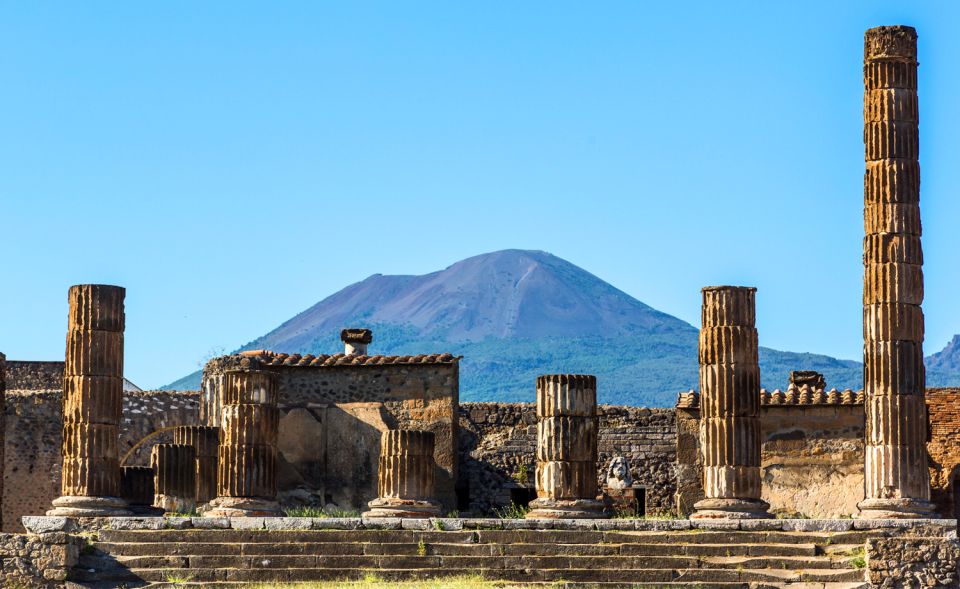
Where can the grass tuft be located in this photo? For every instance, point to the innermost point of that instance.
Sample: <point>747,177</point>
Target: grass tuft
<point>513,511</point>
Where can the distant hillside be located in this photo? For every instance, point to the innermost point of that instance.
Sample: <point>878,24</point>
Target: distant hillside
<point>515,314</point>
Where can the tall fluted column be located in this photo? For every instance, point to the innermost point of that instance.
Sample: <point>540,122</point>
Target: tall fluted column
<point>730,405</point>
<point>896,479</point>
<point>175,478</point>
<point>405,478</point>
<point>566,475</point>
<point>247,454</point>
<point>92,403</point>
<point>206,441</point>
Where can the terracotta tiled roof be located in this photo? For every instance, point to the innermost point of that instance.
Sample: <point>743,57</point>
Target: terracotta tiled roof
<point>792,396</point>
<point>268,358</point>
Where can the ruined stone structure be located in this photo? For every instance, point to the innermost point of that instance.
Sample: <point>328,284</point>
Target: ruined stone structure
<point>136,487</point>
<point>247,456</point>
<point>405,478</point>
<point>566,475</point>
<point>943,451</point>
<point>205,441</point>
<point>175,479</point>
<point>730,382</point>
<point>93,400</point>
<point>804,436</point>
<point>897,483</point>
<point>333,410</point>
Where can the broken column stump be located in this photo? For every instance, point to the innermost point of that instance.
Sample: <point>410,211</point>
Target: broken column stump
<point>730,405</point>
<point>92,404</point>
<point>405,479</point>
<point>136,488</point>
<point>566,477</point>
<point>247,453</point>
<point>896,478</point>
<point>175,478</point>
<point>206,441</point>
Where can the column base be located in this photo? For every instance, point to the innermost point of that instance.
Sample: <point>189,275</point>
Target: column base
<point>394,507</point>
<point>543,508</point>
<point>905,508</point>
<point>242,507</point>
<point>174,504</point>
<point>78,506</point>
<point>731,509</point>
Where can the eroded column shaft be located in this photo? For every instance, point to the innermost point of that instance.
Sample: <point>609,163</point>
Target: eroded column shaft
<point>730,404</point>
<point>896,475</point>
<point>205,441</point>
<point>247,452</point>
<point>174,469</point>
<point>406,465</point>
<point>92,402</point>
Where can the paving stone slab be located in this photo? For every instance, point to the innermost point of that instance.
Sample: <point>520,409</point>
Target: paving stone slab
<point>39,524</point>
<point>288,523</point>
<point>381,523</point>
<point>817,525</point>
<point>335,523</point>
<point>248,523</point>
<point>210,523</point>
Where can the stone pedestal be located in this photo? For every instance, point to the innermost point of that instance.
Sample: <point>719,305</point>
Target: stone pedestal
<point>92,404</point>
<point>247,454</point>
<point>175,478</point>
<point>896,478</point>
<point>206,441</point>
<point>405,479</point>
<point>566,477</point>
<point>730,405</point>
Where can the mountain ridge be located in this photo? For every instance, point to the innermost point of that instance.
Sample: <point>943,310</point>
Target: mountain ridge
<point>514,314</point>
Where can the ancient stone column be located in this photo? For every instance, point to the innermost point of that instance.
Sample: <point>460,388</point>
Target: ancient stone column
<point>247,454</point>
<point>730,405</point>
<point>92,403</point>
<point>136,486</point>
<point>405,479</point>
<point>206,441</point>
<point>896,479</point>
<point>566,477</point>
<point>174,477</point>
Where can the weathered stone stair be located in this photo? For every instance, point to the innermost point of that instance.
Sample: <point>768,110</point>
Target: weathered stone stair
<point>704,558</point>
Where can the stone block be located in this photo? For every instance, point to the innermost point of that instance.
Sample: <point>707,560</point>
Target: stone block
<point>411,523</point>
<point>135,523</point>
<point>288,523</point>
<point>381,523</point>
<point>761,525</point>
<point>247,523</point>
<point>715,524</point>
<point>210,523</point>
<point>446,523</point>
<point>336,523</point>
<point>817,525</point>
<point>662,524</point>
<point>39,524</point>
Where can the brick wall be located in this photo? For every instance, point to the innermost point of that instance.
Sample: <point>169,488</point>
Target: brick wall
<point>943,409</point>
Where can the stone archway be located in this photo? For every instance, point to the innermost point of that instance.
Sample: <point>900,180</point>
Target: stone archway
<point>151,436</point>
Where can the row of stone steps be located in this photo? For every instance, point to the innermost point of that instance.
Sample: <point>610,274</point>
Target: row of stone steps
<point>210,557</point>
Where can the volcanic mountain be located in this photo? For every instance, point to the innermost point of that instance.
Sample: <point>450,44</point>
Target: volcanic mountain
<point>514,314</point>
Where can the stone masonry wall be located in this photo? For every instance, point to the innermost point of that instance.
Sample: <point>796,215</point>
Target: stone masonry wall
<point>37,560</point>
<point>34,420</point>
<point>908,563</point>
<point>34,376</point>
<point>498,445</point>
<point>943,410</point>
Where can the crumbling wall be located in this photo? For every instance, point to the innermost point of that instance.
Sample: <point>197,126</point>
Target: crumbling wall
<point>806,443</point>
<point>943,409</point>
<point>37,560</point>
<point>498,445</point>
<point>34,376</point>
<point>31,476</point>
<point>799,444</point>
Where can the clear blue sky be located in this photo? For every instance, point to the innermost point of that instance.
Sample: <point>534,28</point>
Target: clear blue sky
<point>233,163</point>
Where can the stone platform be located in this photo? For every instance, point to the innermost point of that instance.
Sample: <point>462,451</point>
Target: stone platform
<point>212,552</point>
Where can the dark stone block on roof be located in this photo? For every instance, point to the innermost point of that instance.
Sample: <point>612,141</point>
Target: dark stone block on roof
<point>356,336</point>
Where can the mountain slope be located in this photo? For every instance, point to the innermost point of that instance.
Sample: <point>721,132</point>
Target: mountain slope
<point>514,314</point>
